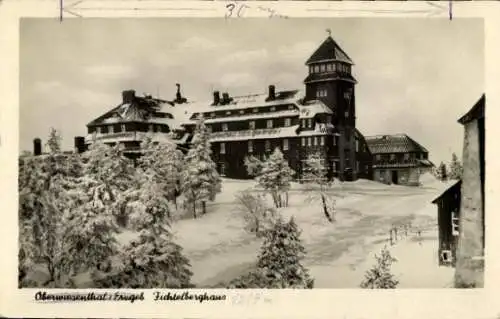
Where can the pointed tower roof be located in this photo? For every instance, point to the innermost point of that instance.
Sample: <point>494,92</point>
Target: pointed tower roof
<point>327,51</point>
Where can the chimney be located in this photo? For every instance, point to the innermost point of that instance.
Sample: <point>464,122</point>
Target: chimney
<point>272,93</point>
<point>79,144</point>
<point>128,96</point>
<point>225,98</point>
<point>37,146</point>
<point>216,98</point>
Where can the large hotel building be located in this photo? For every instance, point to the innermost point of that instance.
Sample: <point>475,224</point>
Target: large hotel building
<point>319,118</point>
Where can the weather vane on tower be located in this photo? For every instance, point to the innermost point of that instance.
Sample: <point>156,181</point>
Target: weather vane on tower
<point>329,31</point>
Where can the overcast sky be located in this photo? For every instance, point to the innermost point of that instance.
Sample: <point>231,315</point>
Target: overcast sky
<point>415,76</point>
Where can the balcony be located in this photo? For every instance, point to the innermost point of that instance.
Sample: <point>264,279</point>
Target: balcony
<point>268,133</point>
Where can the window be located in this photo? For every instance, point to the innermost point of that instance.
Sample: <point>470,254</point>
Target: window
<point>322,68</point>
<point>334,140</point>
<point>212,114</point>
<point>309,141</point>
<point>393,157</point>
<point>357,166</point>
<point>228,112</point>
<point>250,146</point>
<point>242,111</point>
<point>209,128</point>
<point>309,123</point>
<point>251,125</point>
<point>322,140</point>
<point>123,128</point>
<point>224,127</point>
<point>268,146</point>
<point>316,69</point>
<point>311,69</point>
<point>406,156</point>
<point>269,124</point>
<point>328,119</point>
<point>335,166</point>
<point>111,129</point>
<point>321,93</point>
<point>303,141</point>
<point>255,110</point>
<point>222,169</point>
<point>290,107</point>
<point>377,157</point>
<point>285,144</point>
<point>315,142</point>
<point>223,148</point>
<point>346,114</point>
<point>455,222</point>
<point>288,122</point>
<point>98,130</point>
<point>357,145</point>
<point>273,108</point>
<point>329,67</point>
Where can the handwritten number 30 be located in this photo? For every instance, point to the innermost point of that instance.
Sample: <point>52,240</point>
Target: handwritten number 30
<point>231,8</point>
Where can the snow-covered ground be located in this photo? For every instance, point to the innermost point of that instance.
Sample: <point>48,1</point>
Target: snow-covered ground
<point>338,254</point>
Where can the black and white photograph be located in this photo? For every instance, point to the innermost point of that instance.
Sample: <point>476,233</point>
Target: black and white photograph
<point>251,153</point>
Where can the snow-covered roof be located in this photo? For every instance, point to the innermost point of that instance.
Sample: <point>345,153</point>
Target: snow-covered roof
<point>312,108</point>
<point>398,143</point>
<point>320,129</point>
<point>127,136</point>
<point>251,116</point>
<point>247,102</point>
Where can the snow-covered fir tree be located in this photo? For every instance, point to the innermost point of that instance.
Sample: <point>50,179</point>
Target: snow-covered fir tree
<point>442,172</point>
<point>456,168</point>
<point>317,185</point>
<point>153,259</point>
<point>200,181</point>
<point>44,185</point>
<point>380,276</point>
<point>253,165</point>
<point>275,177</point>
<point>92,218</point>
<point>166,163</point>
<point>279,264</point>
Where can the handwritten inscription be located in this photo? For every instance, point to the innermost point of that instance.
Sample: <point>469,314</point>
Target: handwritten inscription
<point>238,10</point>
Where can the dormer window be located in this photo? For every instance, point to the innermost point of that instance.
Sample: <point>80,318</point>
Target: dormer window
<point>111,129</point>
<point>288,122</point>
<point>255,110</point>
<point>309,123</point>
<point>123,128</point>
<point>273,108</point>
<point>316,69</point>
<point>224,127</point>
<point>269,124</point>
<point>321,93</point>
<point>150,128</point>
<point>251,125</point>
<point>98,130</point>
<point>329,67</point>
<point>212,114</point>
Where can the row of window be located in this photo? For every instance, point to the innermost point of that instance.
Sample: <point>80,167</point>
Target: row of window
<point>246,111</point>
<point>113,128</point>
<point>267,146</point>
<point>406,156</point>
<point>330,67</point>
<point>316,141</point>
<point>251,124</point>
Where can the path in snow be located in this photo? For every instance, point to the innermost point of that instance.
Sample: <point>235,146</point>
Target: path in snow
<point>337,254</point>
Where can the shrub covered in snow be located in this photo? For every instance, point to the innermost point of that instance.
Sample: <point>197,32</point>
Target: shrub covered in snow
<point>318,186</point>
<point>275,177</point>
<point>279,262</point>
<point>200,181</point>
<point>380,276</point>
<point>257,214</point>
<point>253,165</point>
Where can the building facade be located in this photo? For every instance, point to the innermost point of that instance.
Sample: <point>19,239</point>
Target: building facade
<point>470,252</point>
<point>448,205</point>
<point>398,159</point>
<point>322,119</point>
<point>132,120</point>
